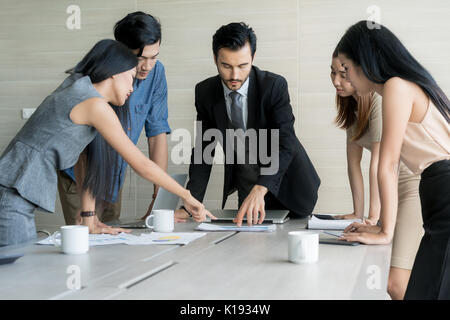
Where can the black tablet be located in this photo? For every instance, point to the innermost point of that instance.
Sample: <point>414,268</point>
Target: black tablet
<point>339,242</point>
<point>324,216</point>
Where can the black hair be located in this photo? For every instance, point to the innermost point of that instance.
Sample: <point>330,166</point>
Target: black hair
<point>234,36</point>
<point>105,59</point>
<point>137,30</point>
<point>382,56</point>
<point>103,162</point>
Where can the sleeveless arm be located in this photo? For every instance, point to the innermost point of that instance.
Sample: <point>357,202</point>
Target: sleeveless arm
<point>354,156</point>
<point>397,107</point>
<point>101,116</point>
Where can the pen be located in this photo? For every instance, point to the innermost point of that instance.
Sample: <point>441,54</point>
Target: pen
<point>184,208</point>
<point>332,234</point>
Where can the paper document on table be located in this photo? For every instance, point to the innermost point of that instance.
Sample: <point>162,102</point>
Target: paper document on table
<point>130,239</point>
<point>94,239</point>
<point>328,222</point>
<point>168,238</point>
<point>254,228</point>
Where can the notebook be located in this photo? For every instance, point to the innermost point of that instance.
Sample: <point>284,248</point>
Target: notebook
<point>329,222</point>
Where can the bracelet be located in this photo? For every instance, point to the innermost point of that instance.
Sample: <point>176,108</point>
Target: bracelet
<point>87,213</point>
<point>184,208</point>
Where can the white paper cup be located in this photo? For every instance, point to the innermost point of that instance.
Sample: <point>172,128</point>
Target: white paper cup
<point>303,246</point>
<point>161,221</point>
<point>74,239</point>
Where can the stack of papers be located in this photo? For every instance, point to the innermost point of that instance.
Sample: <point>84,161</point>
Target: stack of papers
<point>327,222</point>
<point>254,228</point>
<point>129,239</point>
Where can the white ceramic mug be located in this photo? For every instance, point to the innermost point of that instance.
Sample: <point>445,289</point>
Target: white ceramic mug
<point>303,246</point>
<point>74,239</point>
<point>160,221</point>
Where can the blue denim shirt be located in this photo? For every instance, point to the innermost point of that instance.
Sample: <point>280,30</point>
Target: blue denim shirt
<point>148,109</point>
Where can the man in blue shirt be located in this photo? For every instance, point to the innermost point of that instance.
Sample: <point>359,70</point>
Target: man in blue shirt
<point>147,105</point>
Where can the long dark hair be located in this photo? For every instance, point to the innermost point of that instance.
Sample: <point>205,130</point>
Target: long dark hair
<point>382,56</point>
<point>351,110</point>
<point>105,59</point>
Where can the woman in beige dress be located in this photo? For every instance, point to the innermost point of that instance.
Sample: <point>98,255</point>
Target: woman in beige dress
<point>416,130</point>
<point>361,117</point>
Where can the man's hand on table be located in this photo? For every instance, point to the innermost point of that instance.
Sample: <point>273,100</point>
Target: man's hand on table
<point>252,206</point>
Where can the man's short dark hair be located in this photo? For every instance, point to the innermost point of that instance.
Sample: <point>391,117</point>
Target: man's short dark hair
<point>137,30</point>
<point>234,36</point>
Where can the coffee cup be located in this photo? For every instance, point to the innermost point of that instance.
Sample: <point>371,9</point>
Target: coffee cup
<point>160,221</point>
<point>73,239</point>
<point>303,246</point>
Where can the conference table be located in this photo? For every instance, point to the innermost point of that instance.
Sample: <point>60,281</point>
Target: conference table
<point>220,265</point>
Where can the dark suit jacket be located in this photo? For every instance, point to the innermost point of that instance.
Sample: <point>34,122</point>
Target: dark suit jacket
<point>296,183</point>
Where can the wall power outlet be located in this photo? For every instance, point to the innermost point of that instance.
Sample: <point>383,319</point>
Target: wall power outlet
<point>27,112</point>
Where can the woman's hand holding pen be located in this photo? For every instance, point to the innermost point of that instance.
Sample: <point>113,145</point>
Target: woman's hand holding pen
<point>362,227</point>
<point>196,209</point>
<point>366,237</point>
<point>181,215</point>
<point>364,233</point>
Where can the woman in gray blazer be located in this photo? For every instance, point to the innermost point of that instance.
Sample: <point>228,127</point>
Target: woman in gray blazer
<point>58,132</point>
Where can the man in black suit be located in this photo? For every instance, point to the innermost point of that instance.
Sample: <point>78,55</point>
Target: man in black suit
<point>244,99</point>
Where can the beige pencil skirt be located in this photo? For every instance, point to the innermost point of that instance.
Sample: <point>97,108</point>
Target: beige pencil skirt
<point>409,226</point>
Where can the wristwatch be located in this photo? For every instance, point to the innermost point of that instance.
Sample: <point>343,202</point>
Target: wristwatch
<point>87,213</point>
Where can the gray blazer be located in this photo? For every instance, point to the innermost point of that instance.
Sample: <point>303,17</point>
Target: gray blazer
<point>49,140</point>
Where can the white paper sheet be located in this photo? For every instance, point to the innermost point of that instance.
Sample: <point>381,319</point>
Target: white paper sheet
<point>254,228</point>
<point>130,239</point>
<point>323,224</point>
<point>167,238</point>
